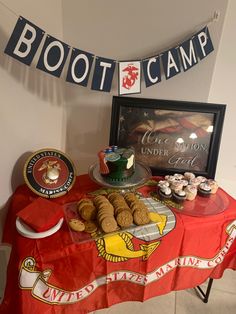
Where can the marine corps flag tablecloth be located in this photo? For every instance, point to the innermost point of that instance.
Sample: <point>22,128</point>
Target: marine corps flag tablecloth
<point>57,275</point>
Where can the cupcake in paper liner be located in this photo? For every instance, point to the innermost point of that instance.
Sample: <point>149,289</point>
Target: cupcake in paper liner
<point>204,189</point>
<point>177,185</point>
<point>165,193</point>
<point>213,184</point>
<point>189,176</point>
<point>179,196</point>
<point>191,192</point>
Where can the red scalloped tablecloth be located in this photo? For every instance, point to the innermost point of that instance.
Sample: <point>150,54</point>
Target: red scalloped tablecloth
<point>55,275</point>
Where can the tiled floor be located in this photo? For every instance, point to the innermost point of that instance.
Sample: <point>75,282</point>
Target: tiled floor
<point>222,301</point>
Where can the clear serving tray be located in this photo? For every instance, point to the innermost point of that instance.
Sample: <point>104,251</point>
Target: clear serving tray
<point>154,230</point>
<point>205,206</point>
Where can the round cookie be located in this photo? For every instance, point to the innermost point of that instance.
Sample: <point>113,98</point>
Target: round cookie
<point>124,219</point>
<point>138,205</point>
<point>109,224</point>
<point>100,199</point>
<point>88,212</point>
<point>141,217</point>
<point>90,226</point>
<point>76,224</point>
<point>130,198</point>
<point>112,196</point>
<point>83,202</point>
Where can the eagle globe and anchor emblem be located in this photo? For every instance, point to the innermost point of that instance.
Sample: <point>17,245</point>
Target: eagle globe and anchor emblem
<point>49,173</point>
<point>124,245</point>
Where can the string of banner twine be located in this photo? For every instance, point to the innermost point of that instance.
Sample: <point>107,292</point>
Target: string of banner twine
<point>215,18</point>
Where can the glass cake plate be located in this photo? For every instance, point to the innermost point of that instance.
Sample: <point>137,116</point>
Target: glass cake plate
<point>205,206</point>
<point>141,175</point>
<point>154,230</point>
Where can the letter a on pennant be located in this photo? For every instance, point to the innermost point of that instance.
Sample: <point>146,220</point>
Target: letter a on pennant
<point>24,41</point>
<point>170,61</point>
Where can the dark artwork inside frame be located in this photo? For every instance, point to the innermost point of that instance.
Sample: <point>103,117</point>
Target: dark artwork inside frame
<point>169,136</point>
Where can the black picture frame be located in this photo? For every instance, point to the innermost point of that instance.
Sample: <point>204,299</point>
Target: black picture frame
<point>170,136</point>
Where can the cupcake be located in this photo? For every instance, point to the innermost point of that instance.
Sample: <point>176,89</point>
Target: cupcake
<point>195,181</point>
<point>184,182</point>
<point>170,179</point>
<point>178,176</point>
<point>179,196</point>
<point>191,192</point>
<point>176,185</point>
<point>201,179</point>
<point>204,189</point>
<point>189,175</point>
<point>213,185</point>
<point>165,193</point>
<point>163,183</point>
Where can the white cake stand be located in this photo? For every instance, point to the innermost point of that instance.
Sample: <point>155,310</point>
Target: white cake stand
<point>141,175</point>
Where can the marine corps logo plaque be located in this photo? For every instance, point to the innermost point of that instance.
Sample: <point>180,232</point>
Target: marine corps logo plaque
<point>49,173</point>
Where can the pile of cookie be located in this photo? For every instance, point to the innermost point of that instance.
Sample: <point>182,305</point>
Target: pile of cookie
<point>110,213</point>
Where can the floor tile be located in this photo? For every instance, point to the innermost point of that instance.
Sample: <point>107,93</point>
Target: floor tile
<point>219,303</point>
<point>164,304</point>
<point>227,283</point>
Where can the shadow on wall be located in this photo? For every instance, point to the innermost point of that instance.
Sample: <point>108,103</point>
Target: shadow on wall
<point>87,132</point>
<point>3,213</point>
<point>44,86</point>
<point>17,177</point>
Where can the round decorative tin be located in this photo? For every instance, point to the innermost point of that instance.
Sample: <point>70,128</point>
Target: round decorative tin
<point>49,173</point>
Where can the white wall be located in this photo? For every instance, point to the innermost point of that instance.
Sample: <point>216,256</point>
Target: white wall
<point>126,30</point>
<point>32,102</point>
<point>223,90</point>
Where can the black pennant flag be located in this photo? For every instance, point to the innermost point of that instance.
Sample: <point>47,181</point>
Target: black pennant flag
<point>24,41</point>
<point>103,74</point>
<point>188,55</point>
<point>151,71</point>
<point>79,67</point>
<point>53,56</point>
<point>170,61</point>
<point>203,43</point>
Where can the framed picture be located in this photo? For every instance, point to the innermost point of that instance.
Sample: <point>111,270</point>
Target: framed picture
<point>169,136</point>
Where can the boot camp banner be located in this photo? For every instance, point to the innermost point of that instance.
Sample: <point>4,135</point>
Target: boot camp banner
<point>26,39</point>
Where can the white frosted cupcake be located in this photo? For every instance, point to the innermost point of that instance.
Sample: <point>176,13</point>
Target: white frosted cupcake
<point>170,179</point>
<point>204,189</point>
<point>178,176</point>
<point>195,181</point>
<point>179,196</point>
<point>201,179</point>
<point>176,185</point>
<point>184,182</point>
<point>213,184</point>
<point>163,183</point>
<point>189,175</point>
<point>165,193</point>
<point>191,192</point>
